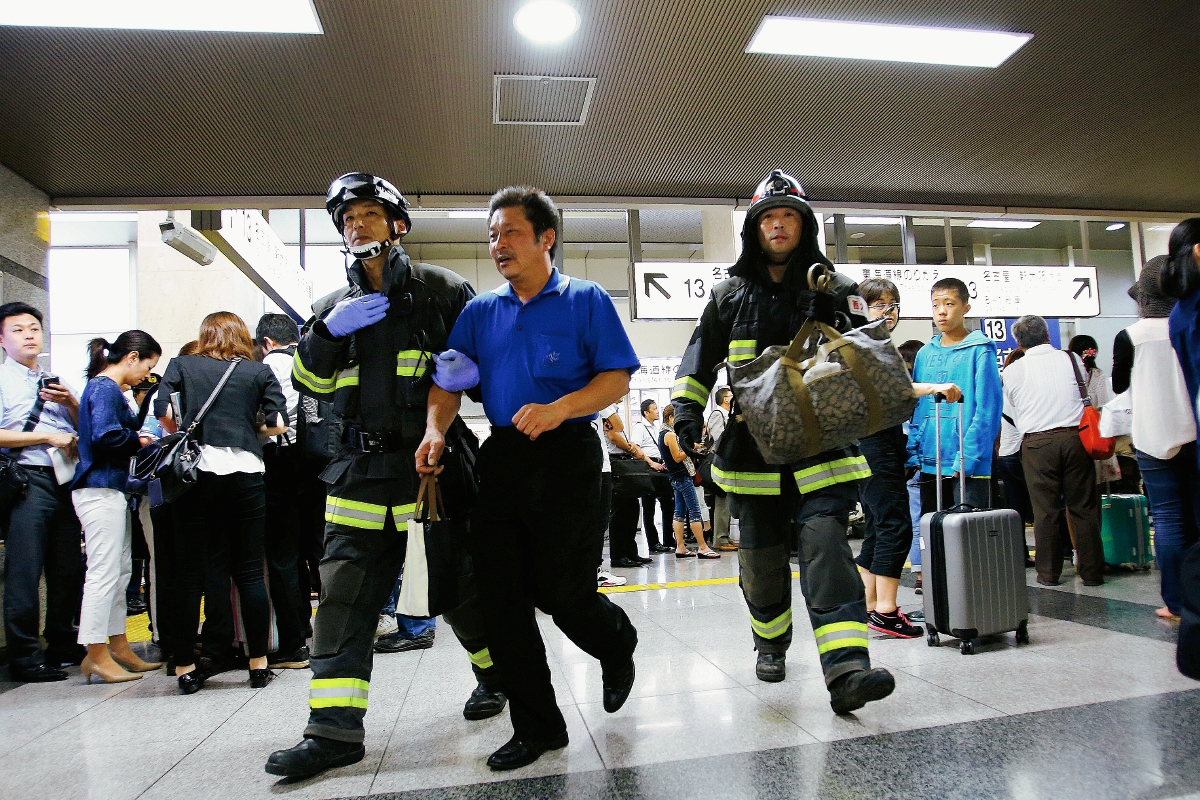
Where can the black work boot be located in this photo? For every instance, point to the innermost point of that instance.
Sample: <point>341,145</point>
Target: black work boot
<point>314,754</point>
<point>854,690</point>
<point>771,667</point>
<point>484,703</point>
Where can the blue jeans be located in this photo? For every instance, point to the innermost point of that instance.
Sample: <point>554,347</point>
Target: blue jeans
<point>1172,487</point>
<point>914,510</point>
<point>410,627</point>
<point>687,506</point>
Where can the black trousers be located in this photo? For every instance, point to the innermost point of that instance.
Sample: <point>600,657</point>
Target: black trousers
<point>605,517</point>
<point>664,496</point>
<point>884,498</point>
<point>42,532</point>
<point>281,542</point>
<point>311,539</point>
<point>220,520</point>
<point>622,528</point>
<point>530,493</point>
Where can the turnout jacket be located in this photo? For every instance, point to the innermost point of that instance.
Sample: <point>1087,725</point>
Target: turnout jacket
<point>379,377</point>
<point>746,314</point>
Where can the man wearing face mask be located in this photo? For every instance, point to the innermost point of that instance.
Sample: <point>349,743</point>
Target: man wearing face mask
<point>804,505</point>
<point>372,348</point>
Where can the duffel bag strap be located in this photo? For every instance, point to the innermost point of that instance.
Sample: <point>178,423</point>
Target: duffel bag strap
<point>857,369</point>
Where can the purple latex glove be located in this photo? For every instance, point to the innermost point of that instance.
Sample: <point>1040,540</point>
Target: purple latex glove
<point>454,372</point>
<point>355,314</point>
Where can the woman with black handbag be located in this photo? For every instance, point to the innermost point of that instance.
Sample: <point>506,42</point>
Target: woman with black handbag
<point>220,519</point>
<point>108,436</point>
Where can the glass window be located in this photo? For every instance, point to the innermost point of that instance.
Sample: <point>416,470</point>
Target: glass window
<point>286,224</point>
<point>89,296</point>
<point>326,266</point>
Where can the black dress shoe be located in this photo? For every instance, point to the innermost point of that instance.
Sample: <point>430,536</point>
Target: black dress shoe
<point>42,673</point>
<point>618,682</point>
<point>190,683</point>
<point>70,657</point>
<point>628,563</point>
<point>523,752</point>
<point>662,548</point>
<point>483,703</point>
<point>260,678</point>
<point>314,754</point>
<point>854,690</point>
<point>643,560</point>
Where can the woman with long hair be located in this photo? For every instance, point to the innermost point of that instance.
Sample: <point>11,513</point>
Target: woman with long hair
<point>221,518</point>
<point>108,436</point>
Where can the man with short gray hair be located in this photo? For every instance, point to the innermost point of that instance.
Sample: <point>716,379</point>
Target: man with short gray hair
<point>1042,389</point>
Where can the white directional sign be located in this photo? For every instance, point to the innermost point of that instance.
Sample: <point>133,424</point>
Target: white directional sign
<point>247,240</point>
<point>679,290</point>
<point>665,290</point>
<point>995,291</point>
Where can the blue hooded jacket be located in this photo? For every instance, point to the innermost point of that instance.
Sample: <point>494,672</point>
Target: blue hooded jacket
<point>970,365</point>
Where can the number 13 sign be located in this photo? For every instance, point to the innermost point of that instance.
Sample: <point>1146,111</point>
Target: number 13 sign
<point>669,290</point>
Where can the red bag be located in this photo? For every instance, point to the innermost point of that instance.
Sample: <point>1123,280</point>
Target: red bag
<point>1100,448</point>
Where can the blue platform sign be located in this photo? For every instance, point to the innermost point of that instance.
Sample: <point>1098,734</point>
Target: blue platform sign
<point>999,330</point>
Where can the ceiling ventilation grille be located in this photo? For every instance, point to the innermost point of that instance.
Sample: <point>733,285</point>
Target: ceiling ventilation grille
<point>540,100</point>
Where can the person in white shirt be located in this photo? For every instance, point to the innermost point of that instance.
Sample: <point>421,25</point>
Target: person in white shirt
<point>716,426</point>
<point>283,459</point>
<point>1164,430</point>
<point>645,435</point>
<point>605,578</point>
<point>1042,393</point>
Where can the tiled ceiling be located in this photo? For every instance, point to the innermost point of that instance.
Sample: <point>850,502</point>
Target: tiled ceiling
<point>1098,111</point>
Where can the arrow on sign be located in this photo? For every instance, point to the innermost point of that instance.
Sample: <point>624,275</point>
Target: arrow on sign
<point>652,280</point>
<point>1086,283</point>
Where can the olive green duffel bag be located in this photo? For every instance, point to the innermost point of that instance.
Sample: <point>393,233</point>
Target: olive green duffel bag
<point>826,390</point>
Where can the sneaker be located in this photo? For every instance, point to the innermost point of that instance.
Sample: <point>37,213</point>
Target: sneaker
<point>606,580</point>
<point>387,625</point>
<point>295,659</point>
<point>395,643</point>
<point>894,624</point>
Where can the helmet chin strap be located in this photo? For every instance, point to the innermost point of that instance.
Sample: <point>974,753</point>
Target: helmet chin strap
<point>368,250</point>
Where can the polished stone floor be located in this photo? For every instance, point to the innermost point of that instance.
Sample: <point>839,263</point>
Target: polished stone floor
<point>1092,708</point>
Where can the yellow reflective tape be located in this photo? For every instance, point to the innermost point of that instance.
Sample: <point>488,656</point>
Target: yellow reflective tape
<point>411,363</point>
<point>691,389</point>
<point>339,683</point>
<point>308,379</point>
<point>837,644</point>
<point>404,513</point>
<point>775,628</point>
<point>482,659</point>
<point>835,627</point>
<point>743,343</point>
<point>760,483</point>
<point>347,377</point>
<point>357,505</point>
<point>353,522</point>
<point>337,702</point>
<point>843,470</point>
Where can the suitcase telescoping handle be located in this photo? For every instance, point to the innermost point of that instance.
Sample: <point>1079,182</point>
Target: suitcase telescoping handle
<point>938,399</point>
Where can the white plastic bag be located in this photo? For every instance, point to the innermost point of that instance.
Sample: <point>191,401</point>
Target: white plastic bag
<point>1116,416</point>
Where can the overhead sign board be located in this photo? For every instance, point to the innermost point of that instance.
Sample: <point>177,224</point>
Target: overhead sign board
<point>995,291</point>
<point>655,373</point>
<point>679,290</point>
<point>246,238</point>
<point>999,330</point>
<point>674,290</point>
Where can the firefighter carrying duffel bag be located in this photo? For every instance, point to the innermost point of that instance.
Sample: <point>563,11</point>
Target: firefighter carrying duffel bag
<point>826,390</point>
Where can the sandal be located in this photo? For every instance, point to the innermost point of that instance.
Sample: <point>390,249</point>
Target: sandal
<point>688,554</point>
<point>707,554</point>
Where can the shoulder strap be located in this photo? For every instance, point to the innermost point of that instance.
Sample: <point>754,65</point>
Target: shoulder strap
<point>213,397</point>
<point>35,414</point>
<point>1079,380</point>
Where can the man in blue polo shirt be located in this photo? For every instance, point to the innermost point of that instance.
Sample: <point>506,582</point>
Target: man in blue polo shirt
<point>551,352</point>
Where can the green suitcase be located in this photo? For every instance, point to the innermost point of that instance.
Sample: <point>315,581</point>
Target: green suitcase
<point>1125,530</point>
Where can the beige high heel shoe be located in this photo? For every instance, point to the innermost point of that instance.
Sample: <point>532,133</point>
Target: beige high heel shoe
<point>91,669</point>
<point>137,665</point>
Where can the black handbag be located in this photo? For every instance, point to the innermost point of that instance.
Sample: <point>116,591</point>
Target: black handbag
<point>14,479</point>
<point>458,480</point>
<point>166,469</point>
<point>631,478</point>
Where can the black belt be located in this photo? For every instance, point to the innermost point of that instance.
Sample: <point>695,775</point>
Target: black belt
<point>367,442</point>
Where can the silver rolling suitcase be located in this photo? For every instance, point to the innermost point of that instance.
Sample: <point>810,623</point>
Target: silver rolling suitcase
<point>974,565</point>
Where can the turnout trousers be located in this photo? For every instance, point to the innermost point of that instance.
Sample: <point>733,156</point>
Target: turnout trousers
<point>815,524</point>
<point>533,538</point>
<point>366,536</point>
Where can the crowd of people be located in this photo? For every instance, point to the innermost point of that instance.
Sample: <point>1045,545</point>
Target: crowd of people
<point>330,462</point>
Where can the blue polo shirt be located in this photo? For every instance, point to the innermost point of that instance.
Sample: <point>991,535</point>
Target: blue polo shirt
<point>543,350</point>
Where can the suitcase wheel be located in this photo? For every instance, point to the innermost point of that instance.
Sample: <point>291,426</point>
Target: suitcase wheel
<point>1023,632</point>
<point>967,647</point>
<point>932,638</point>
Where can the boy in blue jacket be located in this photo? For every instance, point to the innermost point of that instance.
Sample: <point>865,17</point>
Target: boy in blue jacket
<point>967,359</point>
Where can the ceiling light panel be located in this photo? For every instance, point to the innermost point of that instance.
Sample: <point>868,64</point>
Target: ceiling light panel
<point>800,36</point>
<point>239,16</point>
<point>1008,224</point>
<point>546,21</point>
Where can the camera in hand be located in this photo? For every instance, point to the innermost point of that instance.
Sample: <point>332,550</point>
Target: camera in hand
<point>49,382</point>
